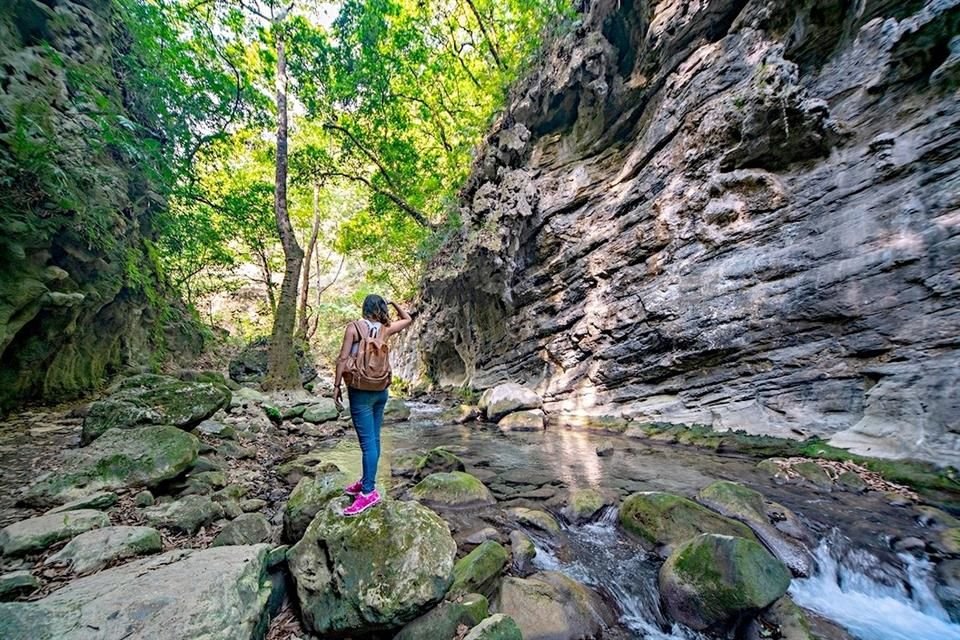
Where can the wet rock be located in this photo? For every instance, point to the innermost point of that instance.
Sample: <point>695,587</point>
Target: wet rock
<point>949,540</point>
<point>154,400</point>
<point>850,481</point>
<point>909,544</point>
<point>551,606</point>
<point>142,456</point>
<point>101,501</point>
<point>663,520</point>
<point>94,550</point>
<point>523,551</point>
<point>507,398</point>
<point>246,528</point>
<point>599,423</point>
<point>948,587</point>
<point>452,490</point>
<point>250,364</point>
<point>396,410</point>
<point>535,518</point>
<point>36,534</point>
<point>217,593</point>
<point>307,499</point>
<point>604,449</point>
<point>405,545</point>
<point>786,617</point>
<point>713,580</point>
<point>444,620</point>
<point>583,505</point>
<point>932,517</point>
<point>16,584</point>
<point>462,414</point>
<point>532,420</point>
<point>741,503</point>
<point>323,410</point>
<point>496,627</point>
<point>438,460</point>
<point>186,515</point>
<point>479,570</point>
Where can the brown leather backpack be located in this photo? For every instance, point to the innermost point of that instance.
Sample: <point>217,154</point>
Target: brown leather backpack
<point>369,368</point>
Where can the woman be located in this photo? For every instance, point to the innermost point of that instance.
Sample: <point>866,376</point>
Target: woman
<point>366,407</point>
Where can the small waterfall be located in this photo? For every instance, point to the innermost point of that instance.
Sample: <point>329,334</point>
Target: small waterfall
<point>603,559</point>
<point>852,589</point>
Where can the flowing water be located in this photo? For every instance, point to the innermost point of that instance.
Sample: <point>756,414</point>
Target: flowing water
<point>861,585</point>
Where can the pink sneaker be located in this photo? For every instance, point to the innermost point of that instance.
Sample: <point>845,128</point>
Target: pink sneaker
<point>362,502</point>
<point>354,489</point>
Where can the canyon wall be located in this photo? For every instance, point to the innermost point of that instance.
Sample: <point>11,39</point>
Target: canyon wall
<point>739,213</point>
<point>80,294</point>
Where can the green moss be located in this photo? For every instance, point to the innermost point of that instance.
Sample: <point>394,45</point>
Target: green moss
<point>454,489</point>
<point>660,518</point>
<point>478,570</point>
<point>734,499</point>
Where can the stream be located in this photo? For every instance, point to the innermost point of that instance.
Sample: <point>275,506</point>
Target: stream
<point>861,584</point>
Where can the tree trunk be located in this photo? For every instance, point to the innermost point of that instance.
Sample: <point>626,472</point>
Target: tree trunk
<point>267,277</point>
<point>282,369</point>
<point>304,327</point>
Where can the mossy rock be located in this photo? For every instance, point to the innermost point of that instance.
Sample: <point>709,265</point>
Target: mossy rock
<point>497,627</point>
<point>120,458</point>
<point>852,482</point>
<point>157,400</point>
<point>813,473</point>
<point>583,505</point>
<point>246,528</point>
<point>16,584</point>
<point>713,580</point>
<point>950,540</point>
<point>522,550</point>
<point>323,410</point>
<point>36,534</point>
<point>479,570</point>
<point>734,500</point>
<point>94,550</point>
<point>531,420</point>
<point>396,410</point>
<point>444,620</point>
<point>307,499</point>
<point>307,465</point>
<point>101,501</point>
<point>185,515</point>
<point>663,520</point>
<point>437,460</point>
<point>452,490</point>
<point>602,424</point>
<point>536,519</point>
<point>372,573</point>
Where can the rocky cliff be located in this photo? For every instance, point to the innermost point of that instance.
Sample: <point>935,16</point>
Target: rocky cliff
<point>79,290</point>
<point>741,213</point>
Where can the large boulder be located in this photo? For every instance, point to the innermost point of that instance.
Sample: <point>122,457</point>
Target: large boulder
<point>507,398</point>
<point>438,460</point>
<point>120,458</point>
<point>36,534</point>
<point>444,620</point>
<point>152,399</point>
<point>250,365</point>
<point>552,606</point>
<point>372,573</point>
<point>452,490</point>
<point>713,580</point>
<point>323,410</point>
<point>583,505</point>
<point>663,520</point>
<point>211,593</point>
<point>307,499</point>
<point>748,506</point>
<point>94,550</point>
<point>479,570</point>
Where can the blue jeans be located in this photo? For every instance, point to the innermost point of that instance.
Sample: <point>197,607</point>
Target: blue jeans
<point>366,410</point>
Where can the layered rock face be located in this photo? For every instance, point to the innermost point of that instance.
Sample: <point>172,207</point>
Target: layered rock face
<point>79,290</point>
<point>738,213</point>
